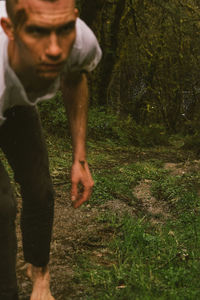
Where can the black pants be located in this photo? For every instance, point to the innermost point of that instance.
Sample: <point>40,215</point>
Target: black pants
<point>22,142</point>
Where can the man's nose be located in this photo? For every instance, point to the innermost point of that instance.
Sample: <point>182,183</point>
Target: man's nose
<point>53,50</point>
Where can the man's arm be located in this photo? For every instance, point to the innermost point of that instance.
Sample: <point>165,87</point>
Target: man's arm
<point>75,95</point>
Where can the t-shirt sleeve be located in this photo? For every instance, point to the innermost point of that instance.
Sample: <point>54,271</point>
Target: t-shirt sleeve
<point>86,52</point>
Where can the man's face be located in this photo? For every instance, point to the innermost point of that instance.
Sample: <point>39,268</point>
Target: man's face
<point>44,35</point>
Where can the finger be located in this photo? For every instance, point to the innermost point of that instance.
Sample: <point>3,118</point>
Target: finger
<point>89,174</point>
<point>74,192</point>
<point>86,195</point>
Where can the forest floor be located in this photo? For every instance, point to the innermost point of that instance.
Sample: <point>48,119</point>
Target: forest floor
<point>137,238</point>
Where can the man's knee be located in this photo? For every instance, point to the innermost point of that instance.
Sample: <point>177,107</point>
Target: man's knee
<point>7,204</point>
<point>45,196</point>
<point>7,199</point>
<point>38,196</point>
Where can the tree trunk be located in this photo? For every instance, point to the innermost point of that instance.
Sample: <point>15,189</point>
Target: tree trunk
<point>111,55</point>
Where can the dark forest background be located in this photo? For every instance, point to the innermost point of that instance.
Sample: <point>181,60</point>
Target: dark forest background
<point>147,84</point>
<point>139,235</point>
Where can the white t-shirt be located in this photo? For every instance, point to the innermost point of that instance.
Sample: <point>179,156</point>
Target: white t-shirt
<point>85,55</point>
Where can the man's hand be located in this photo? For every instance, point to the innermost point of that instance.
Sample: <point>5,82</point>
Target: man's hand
<point>75,96</point>
<point>80,174</point>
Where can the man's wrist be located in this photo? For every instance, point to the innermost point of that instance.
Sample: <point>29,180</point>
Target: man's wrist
<point>80,161</point>
<point>79,157</point>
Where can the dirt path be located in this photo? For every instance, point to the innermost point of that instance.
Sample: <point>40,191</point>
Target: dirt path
<point>69,236</point>
<point>77,231</point>
<point>157,211</point>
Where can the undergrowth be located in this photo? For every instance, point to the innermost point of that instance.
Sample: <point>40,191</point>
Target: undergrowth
<point>103,125</point>
<point>142,260</point>
<point>147,262</point>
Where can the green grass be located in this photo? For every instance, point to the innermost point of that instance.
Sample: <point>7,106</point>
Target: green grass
<point>140,260</point>
<point>148,262</point>
<point>118,180</point>
<point>144,260</point>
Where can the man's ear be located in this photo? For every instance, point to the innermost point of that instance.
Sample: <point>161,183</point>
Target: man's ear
<point>7,26</point>
<point>76,11</point>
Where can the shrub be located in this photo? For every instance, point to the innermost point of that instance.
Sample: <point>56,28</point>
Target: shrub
<point>102,125</point>
<point>154,134</point>
<point>192,142</point>
<point>53,115</point>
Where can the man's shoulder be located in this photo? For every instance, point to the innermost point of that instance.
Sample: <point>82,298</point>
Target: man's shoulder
<point>85,36</point>
<point>86,52</point>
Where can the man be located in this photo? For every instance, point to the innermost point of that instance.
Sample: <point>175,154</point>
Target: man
<point>43,45</point>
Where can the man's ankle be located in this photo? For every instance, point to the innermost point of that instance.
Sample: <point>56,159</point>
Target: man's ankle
<point>34,271</point>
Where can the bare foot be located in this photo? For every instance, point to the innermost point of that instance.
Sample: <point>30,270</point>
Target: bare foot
<point>40,278</point>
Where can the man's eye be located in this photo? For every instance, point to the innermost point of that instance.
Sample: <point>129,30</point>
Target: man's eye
<point>36,31</point>
<point>67,29</point>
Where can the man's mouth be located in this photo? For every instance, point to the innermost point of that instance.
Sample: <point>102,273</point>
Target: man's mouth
<point>51,67</point>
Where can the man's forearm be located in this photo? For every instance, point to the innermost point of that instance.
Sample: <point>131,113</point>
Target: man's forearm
<point>75,95</point>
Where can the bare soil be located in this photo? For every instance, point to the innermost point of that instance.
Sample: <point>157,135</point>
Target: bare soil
<point>77,231</point>
<point>183,167</point>
<point>157,210</point>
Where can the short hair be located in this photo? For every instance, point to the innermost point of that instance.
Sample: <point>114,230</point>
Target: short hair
<point>10,4</point>
<point>9,7</point>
